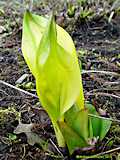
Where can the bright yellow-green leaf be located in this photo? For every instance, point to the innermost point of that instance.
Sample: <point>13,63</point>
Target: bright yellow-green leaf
<point>33,27</point>
<point>51,56</point>
<point>58,74</point>
<point>65,67</point>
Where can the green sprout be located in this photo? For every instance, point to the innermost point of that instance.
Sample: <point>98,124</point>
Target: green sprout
<point>51,56</point>
<point>70,9</point>
<point>85,14</point>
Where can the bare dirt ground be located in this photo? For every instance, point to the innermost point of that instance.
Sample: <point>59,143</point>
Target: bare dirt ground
<point>98,47</point>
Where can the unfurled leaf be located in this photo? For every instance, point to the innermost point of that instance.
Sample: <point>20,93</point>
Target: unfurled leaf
<point>80,126</point>
<point>100,126</point>
<point>78,121</point>
<point>73,140</point>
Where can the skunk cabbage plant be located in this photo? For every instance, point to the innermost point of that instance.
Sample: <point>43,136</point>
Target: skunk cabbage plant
<point>51,56</point>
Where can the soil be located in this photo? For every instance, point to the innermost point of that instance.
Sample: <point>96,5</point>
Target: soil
<point>97,43</point>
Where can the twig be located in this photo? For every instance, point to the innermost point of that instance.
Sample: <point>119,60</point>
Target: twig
<point>102,94</point>
<point>20,90</point>
<point>24,151</point>
<point>111,83</point>
<point>99,154</point>
<point>111,16</point>
<point>100,117</point>
<point>101,72</point>
<point>56,147</point>
<point>33,95</point>
<point>104,89</point>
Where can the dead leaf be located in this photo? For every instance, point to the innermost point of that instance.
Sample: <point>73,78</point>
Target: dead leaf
<point>32,137</point>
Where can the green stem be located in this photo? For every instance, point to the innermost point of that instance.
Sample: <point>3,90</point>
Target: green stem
<point>59,136</point>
